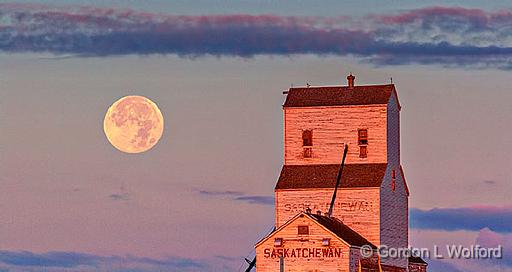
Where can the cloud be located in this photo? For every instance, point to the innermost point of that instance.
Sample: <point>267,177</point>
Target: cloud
<point>120,197</point>
<point>435,265</point>
<point>50,259</point>
<point>239,196</point>
<point>73,261</point>
<point>122,194</point>
<point>498,219</point>
<point>263,200</point>
<point>219,193</point>
<point>489,238</point>
<point>229,258</point>
<point>447,36</point>
<point>485,238</point>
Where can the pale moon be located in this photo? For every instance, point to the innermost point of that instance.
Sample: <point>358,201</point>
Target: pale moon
<point>133,124</point>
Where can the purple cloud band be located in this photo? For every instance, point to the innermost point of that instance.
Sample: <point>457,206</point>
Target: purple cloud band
<point>75,261</point>
<point>498,219</point>
<point>437,35</point>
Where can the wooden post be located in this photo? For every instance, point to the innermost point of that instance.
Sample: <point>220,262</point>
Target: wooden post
<point>281,263</point>
<point>338,179</point>
<point>251,264</point>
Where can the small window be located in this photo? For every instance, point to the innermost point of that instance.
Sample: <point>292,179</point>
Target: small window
<point>278,242</point>
<point>303,230</point>
<point>362,136</point>
<point>307,138</point>
<point>363,151</point>
<point>326,242</point>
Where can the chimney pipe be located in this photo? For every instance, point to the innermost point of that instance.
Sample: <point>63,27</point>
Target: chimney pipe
<point>350,79</point>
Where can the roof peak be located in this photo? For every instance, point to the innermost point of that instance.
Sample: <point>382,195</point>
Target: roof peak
<point>331,224</point>
<point>336,226</point>
<point>339,86</point>
<point>339,95</point>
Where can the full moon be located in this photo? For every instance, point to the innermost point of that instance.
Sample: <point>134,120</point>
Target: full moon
<point>133,124</point>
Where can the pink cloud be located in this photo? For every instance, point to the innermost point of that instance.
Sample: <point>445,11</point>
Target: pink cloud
<point>435,12</point>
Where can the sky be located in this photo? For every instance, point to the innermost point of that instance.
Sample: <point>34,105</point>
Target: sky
<point>201,198</point>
